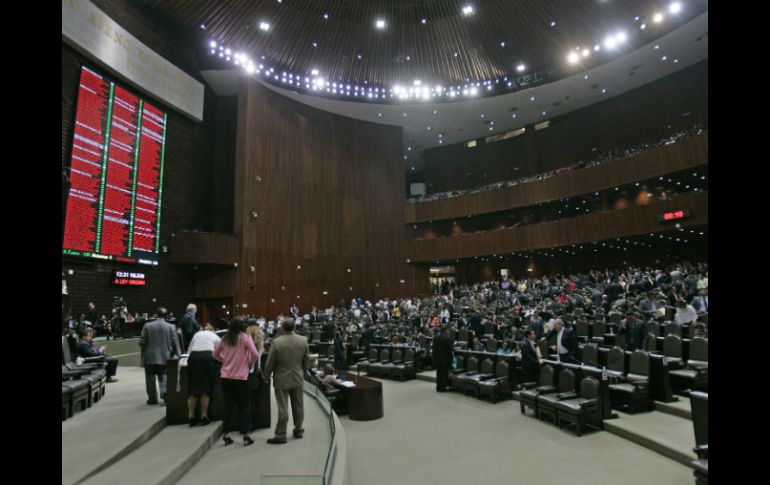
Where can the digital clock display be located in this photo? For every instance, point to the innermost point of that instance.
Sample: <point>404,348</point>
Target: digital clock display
<point>674,215</point>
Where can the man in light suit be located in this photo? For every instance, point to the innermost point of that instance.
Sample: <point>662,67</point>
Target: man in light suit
<point>566,342</point>
<point>287,361</point>
<point>158,342</point>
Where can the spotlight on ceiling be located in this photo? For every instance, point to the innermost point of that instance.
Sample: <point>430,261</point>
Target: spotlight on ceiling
<point>521,68</point>
<point>314,72</point>
<point>213,44</point>
<point>620,37</point>
<point>586,52</point>
<point>468,10</point>
<point>380,24</point>
<point>675,8</point>
<point>264,26</point>
<point>573,57</point>
<point>657,18</point>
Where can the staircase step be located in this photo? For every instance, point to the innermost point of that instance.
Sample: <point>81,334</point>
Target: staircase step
<point>679,408</point>
<point>427,375</point>
<point>666,434</point>
<point>162,460</point>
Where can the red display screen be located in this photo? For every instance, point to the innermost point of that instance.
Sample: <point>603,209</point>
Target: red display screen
<point>674,215</point>
<point>116,174</point>
<point>128,278</point>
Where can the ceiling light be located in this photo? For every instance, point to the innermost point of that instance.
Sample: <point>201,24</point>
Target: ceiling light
<point>264,26</point>
<point>610,42</point>
<point>657,18</point>
<point>502,44</point>
<point>643,26</point>
<point>424,21</point>
<point>212,44</point>
<point>521,67</point>
<point>467,10</point>
<point>379,23</point>
<point>326,15</point>
<point>573,58</point>
<point>675,8</point>
<point>553,23</point>
<point>227,52</point>
<point>620,37</point>
<point>586,52</point>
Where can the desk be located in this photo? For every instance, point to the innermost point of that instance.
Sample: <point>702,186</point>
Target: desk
<point>364,400</point>
<point>176,402</point>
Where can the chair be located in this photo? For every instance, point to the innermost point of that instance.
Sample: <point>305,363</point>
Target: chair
<point>498,385</point>
<point>79,391</point>
<point>335,396</point>
<point>616,363</point>
<point>546,403</point>
<point>377,369</point>
<point>653,327</point>
<point>396,357</point>
<point>591,355</point>
<point>699,403</point>
<point>695,374</point>
<point>672,350</point>
<point>581,410</point>
<point>404,369</point>
<point>471,368</point>
<point>364,364</point>
<point>491,345</point>
<point>423,341</point>
<point>528,396</point>
<point>471,381</point>
<point>673,328</point>
<point>582,330</point>
<point>600,328</point>
<point>463,337</point>
<point>489,328</point>
<point>460,361</point>
<point>635,391</point>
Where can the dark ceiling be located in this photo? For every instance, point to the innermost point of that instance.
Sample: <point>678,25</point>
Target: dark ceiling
<point>448,47</point>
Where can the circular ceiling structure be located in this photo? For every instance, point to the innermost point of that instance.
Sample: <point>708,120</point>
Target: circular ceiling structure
<point>388,51</point>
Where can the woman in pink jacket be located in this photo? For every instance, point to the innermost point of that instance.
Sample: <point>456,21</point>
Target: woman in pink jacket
<point>237,353</point>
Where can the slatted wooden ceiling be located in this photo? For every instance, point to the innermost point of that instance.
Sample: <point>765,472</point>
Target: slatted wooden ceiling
<point>349,33</point>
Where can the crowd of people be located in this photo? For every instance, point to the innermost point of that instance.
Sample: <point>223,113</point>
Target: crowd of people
<point>612,154</point>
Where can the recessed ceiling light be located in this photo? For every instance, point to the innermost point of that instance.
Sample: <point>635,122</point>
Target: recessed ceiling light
<point>657,18</point>
<point>620,37</point>
<point>264,26</point>
<point>643,26</point>
<point>424,21</point>
<point>675,8</point>
<point>657,46</point>
<point>326,15</point>
<point>553,23</point>
<point>521,67</point>
<point>379,23</point>
<point>314,72</point>
<point>586,52</point>
<point>468,10</point>
<point>532,98</point>
<point>213,44</point>
<point>573,58</point>
<point>610,42</point>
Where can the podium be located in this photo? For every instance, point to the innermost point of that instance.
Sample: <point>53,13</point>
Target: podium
<point>176,402</point>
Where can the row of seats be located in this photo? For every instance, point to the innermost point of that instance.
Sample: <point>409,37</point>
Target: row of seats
<point>492,380</point>
<point>560,402</point>
<point>390,362</point>
<point>699,404</point>
<point>82,385</point>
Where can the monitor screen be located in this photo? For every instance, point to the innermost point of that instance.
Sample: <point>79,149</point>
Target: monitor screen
<point>116,174</point>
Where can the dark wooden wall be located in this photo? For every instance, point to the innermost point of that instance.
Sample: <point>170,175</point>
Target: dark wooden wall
<point>187,177</point>
<point>641,115</point>
<point>328,193</point>
<point>659,161</point>
<point>633,221</point>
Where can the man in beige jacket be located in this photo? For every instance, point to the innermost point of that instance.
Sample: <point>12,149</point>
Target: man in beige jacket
<point>287,363</point>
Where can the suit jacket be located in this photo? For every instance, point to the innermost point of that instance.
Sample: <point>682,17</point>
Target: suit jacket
<point>645,306</point>
<point>287,359</point>
<point>442,351</point>
<point>189,326</point>
<point>158,342</point>
<point>88,350</point>
<point>568,340</point>
<point>530,365</point>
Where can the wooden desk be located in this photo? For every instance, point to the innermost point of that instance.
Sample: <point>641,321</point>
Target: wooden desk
<point>364,400</point>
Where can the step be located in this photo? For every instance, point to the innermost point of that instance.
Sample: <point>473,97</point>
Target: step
<point>666,434</point>
<point>122,413</point>
<point>427,375</point>
<point>679,408</point>
<point>163,459</point>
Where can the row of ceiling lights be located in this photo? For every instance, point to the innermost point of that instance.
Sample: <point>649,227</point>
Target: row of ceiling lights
<point>417,92</point>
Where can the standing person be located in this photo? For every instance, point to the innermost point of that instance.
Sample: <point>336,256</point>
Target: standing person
<point>530,357</point>
<point>287,359</point>
<point>201,371</point>
<point>91,315</point>
<point>340,353</point>
<point>442,359</point>
<point>189,325</point>
<point>566,342</point>
<point>158,342</point>
<point>237,353</point>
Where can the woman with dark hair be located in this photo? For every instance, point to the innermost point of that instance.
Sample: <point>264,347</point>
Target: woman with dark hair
<point>201,370</point>
<point>237,353</point>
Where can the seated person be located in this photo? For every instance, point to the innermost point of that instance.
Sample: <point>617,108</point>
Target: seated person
<point>506,349</point>
<point>329,380</point>
<point>86,349</point>
<point>477,345</point>
<point>103,327</point>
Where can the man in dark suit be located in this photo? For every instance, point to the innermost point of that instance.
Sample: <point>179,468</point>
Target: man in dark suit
<point>87,350</point>
<point>158,342</point>
<point>189,326</point>
<point>442,359</point>
<point>566,342</point>
<point>530,359</point>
